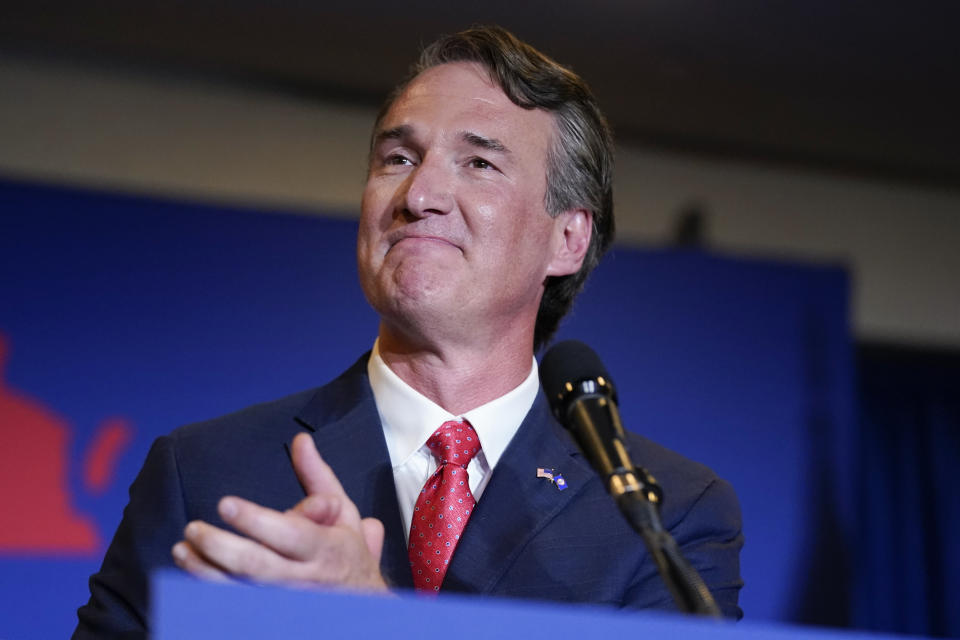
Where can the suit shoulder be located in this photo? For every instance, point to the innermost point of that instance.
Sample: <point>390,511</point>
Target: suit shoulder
<point>685,482</point>
<point>268,419</point>
<point>257,418</point>
<point>661,461</point>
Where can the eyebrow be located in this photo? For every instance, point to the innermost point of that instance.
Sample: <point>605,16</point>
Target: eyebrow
<point>395,133</point>
<point>482,142</point>
<point>473,139</point>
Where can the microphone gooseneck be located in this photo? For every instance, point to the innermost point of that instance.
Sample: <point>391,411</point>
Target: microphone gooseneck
<point>583,398</point>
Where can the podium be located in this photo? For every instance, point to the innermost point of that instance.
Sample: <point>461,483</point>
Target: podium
<point>185,608</point>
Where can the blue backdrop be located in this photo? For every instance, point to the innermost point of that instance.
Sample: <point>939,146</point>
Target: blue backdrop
<point>122,317</point>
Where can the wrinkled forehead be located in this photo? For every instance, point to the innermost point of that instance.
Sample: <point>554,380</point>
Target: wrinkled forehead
<point>411,84</point>
<point>463,96</point>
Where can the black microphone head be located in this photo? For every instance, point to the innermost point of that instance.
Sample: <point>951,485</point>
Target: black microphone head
<point>571,368</point>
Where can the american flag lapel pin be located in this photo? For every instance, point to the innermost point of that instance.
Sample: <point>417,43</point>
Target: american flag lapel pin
<point>552,476</point>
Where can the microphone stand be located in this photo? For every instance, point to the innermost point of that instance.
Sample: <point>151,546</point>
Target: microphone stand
<point>597,427</point>
<point>639,501</point>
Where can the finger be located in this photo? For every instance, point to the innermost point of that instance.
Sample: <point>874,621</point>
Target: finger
<point>190,561</point>
<point>288,534</point>
<point>373,534</point>
<point>322,509</point>
<point>315,475</point>
<point>238,556</point>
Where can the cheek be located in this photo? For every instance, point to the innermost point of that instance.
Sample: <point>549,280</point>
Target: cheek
<point>365,243</point>
<point>487,219</point>
<point>369,251</point>
<point>532,246</point>
<point>375,216</point>
<point>498,213</point>
<point>378,197</point>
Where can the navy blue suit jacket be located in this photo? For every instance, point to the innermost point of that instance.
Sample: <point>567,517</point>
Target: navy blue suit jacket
<point>526,538</point>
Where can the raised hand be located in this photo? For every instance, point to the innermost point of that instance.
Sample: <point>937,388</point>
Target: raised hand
<point>320,541</point>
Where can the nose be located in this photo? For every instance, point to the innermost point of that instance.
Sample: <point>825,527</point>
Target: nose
<point>429,190</point>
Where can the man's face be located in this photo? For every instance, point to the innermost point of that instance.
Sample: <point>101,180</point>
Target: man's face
<point>453,231</point>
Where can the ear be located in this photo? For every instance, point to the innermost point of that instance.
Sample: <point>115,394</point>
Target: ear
<point>573,229</point>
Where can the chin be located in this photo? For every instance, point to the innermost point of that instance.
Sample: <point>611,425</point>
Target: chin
<point>422,280</point>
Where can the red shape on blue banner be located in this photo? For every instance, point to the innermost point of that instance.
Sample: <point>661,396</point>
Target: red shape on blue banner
<point>36,514</point>
<point>99,463</point>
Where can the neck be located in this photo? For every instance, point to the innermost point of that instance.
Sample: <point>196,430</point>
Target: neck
<point>459,376</point>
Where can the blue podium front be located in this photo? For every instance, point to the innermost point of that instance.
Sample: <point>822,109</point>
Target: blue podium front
<point>185,608</point>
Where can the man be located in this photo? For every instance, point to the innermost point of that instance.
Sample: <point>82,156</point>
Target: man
<point>488,200</point>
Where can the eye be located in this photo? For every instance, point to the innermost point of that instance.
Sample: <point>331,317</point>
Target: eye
<point>397,160</point>
<point>480,163</point>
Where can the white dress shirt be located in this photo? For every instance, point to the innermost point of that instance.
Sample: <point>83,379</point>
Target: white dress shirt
<point>409,419</point>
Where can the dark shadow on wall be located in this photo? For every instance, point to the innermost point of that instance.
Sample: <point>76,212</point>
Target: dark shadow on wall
<point>823,590</point>
<point>908,513</point>
<point>893,563</point>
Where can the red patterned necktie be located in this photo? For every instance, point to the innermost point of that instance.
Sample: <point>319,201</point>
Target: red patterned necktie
<point>444,505</point>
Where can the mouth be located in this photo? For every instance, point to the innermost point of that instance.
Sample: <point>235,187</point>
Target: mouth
<point>419,238</point>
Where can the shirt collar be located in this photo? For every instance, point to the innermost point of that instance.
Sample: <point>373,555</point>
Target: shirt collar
<point>409,418</point>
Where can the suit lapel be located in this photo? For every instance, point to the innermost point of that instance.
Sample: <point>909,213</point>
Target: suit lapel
<point>516,505</point>
<point>346,428</point>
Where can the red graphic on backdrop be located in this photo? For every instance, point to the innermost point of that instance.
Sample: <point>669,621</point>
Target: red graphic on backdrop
<point>36,514</point>
<point>109,441</point>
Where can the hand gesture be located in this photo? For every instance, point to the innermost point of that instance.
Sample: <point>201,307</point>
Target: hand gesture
<point>320,541</point>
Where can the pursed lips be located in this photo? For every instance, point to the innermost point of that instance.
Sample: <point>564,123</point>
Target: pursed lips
<point>397,238</point>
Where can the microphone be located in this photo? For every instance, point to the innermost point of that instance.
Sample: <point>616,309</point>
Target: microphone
<point>584,400</point>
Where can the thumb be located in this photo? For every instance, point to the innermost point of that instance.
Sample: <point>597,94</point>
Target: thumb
<point>314,474</point>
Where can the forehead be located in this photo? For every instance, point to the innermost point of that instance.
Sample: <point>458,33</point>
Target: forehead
<point>460,97</point>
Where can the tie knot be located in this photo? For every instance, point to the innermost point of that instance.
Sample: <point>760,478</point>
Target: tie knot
<point>454,442</point>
